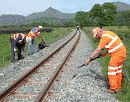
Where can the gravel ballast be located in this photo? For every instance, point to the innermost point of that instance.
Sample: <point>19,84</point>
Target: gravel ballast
<point>74,84</point>
<point>84,84</point>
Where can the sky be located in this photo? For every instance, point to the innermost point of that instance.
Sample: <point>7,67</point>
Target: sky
<point>26,7</point>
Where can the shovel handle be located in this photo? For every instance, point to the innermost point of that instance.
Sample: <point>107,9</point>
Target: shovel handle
<point>81,65</point>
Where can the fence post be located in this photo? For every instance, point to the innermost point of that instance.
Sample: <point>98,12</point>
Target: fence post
<point>3,61</point>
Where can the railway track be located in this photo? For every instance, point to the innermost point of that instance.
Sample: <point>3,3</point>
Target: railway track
<point>33,86</point>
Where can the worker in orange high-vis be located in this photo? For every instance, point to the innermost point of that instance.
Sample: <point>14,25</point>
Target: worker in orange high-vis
<point>117,52</point>
<point>18,41</point>
<point>30,39</point>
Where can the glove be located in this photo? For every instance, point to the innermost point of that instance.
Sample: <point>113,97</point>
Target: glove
<point>88,61</point>
<point>14,49</point>
<point>43,42</point>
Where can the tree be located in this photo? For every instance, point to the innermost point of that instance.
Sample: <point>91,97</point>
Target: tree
<point>68,23</point>
<point>80,17</point>
<point>96,13</point>
<point>108,13</point>
<point>104,14</point>
<point>126,18</point>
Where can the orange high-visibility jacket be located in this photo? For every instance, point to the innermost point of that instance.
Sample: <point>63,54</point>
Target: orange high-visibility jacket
<point>111,42</point>
<point>14,36</point>
<point>33,34</point>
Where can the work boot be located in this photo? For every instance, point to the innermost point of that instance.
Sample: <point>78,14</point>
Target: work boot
<point>112,91</point>
<point>108,86</point>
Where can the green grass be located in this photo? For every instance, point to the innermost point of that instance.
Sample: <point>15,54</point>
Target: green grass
<point>50,37</point>
<point>123,32</point>
<point>5,49</point>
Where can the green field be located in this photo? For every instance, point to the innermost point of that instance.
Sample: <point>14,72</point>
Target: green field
<point>49,37</point>
<point>124,33</point>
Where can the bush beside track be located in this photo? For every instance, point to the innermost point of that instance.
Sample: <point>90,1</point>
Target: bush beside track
<point>124,33</point>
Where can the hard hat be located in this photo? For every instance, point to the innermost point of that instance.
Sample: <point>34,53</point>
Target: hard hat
<point>20,40</point>
<point>40,27</point>
<point>96,31</point>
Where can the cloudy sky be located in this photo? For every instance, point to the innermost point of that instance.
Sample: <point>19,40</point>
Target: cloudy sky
<point>26,7</point>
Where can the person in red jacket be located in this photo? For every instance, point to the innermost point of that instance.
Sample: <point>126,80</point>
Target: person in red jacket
<point>117,52</point>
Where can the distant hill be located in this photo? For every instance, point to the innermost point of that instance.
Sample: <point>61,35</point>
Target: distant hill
<point>121,6</point>
<point>12,19</point>
<point>51,13</point>
<point>49,20</point>
<point>47,15</point>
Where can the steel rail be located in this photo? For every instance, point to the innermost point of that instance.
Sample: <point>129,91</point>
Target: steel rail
<point>10,90</point>
<point>42,95</point>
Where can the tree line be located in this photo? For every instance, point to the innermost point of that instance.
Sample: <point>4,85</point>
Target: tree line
<point>105,15</point>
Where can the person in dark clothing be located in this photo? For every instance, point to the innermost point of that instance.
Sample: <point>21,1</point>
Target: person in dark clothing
<point>13,47</point>
<point>20,44</point>
<point>18,41</point>
<point>77,27</point>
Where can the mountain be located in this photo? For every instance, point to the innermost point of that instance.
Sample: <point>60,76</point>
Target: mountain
<point>121,6</point>
<point>12,19</point>
<point>51,13</point>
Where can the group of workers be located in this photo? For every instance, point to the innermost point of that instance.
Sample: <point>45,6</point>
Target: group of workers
<point>108,40</point>
<point>18,41</point>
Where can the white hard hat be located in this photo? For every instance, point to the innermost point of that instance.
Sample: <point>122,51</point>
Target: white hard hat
<point>20,40</point>
<point>40,27</point>
<point>95,31</point>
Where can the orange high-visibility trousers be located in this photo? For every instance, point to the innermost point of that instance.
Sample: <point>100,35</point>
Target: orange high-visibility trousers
<point>115,70</point>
